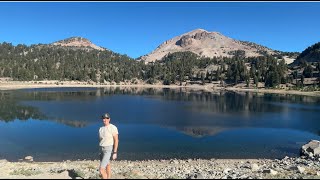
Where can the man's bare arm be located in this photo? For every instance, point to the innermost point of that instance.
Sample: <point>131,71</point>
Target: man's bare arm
<point>116,142</point>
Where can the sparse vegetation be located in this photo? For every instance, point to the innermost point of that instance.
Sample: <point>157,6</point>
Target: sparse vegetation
<point>26,172</point>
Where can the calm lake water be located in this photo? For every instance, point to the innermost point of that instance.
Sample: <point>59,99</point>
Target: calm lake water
<point>54,124</point>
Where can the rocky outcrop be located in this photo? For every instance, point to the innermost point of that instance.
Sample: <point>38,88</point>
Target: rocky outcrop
<point>185,41</point>
<point>78,42</point>
<point>311,149</point>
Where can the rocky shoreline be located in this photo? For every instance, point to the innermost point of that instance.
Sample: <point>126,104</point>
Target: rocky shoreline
<point>14,85</point>
<point>305,167</point>
<point>286,168</point>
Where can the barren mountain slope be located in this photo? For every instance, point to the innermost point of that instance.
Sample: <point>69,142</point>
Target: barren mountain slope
<point>207,44</point>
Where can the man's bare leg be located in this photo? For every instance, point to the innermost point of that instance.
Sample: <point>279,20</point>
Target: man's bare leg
<point>109,171</point>
<point>103,172</point>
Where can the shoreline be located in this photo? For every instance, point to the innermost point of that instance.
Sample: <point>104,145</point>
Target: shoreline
<point>16,85</point>
<point>293,168</point>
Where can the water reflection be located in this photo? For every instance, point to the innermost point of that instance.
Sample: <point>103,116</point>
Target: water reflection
<point>10,109</point>
<point>194,112</point>
<point>62,123</point>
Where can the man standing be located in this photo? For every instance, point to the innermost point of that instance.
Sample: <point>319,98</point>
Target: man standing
<point>109,140</point>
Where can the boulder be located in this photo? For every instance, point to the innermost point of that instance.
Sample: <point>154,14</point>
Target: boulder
<point>227,170</point>
<point>28,158</point>
<point>255,167</point>
<point>270,171</point>
<point>311,149</point>
<point>301,169</point>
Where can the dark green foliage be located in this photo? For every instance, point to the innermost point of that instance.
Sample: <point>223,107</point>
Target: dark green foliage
<point>311,54</point>
<point>45,62</point>
<point>238,71</point>
<point>307,73</point>
<point>179,67</point>
<point>302,80</point>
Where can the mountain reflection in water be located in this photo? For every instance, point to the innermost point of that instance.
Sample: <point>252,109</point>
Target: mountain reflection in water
<point>153,122</point>
<point>194,112</point>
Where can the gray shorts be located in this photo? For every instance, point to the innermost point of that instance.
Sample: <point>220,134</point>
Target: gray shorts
<point>105,156</point>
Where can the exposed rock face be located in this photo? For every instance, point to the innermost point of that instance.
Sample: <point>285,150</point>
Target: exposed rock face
<point>185,41</point>
<point>204,43</point>
<point>78,42</point>
<point>311,150</point>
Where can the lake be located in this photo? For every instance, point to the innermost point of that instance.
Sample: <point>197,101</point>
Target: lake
<point>54,124</point>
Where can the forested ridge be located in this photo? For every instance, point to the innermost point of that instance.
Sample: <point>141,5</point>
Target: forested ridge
<point>49,62</point>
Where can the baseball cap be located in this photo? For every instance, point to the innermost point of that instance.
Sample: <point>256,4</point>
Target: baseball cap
<point>106,115</point>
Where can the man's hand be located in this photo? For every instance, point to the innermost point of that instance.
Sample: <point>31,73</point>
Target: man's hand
<point>114,156</point>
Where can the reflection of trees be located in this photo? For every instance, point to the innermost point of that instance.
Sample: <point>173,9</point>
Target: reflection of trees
<point>238,99</point>
<point>220,102</point>
<point>56,94</point>
<point>233,102</point>
<point>11,110</point>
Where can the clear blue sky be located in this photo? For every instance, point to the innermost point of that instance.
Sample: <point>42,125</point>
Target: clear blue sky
<point>137,28</point>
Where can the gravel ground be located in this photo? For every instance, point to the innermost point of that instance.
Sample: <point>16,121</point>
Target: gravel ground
<point>287,168</point>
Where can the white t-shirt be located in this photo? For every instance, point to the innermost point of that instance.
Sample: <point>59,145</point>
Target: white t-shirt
<point>106,134</point>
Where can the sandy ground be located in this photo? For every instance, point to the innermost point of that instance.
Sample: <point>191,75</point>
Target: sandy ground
<point>11,85</point>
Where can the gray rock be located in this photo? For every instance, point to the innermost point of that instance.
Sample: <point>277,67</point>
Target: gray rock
<point>286,157</point>
<point>226,171</point>
<point>243,176</point>
<point>196,176</point>
<point>311,149</point>
<point>270,171</point>
<point>246,166</point>
<point>301,169</point>
<point>255,167</point>
<point>174,162</point>
<point>318,173</point>
<point>273,172</point>
<point>29,158</point>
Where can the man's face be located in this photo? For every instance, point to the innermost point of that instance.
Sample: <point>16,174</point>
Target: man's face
<point>106,120</point>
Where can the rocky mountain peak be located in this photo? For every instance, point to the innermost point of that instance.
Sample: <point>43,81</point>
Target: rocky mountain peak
<point>78,42</point>
<point>205,43</point>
